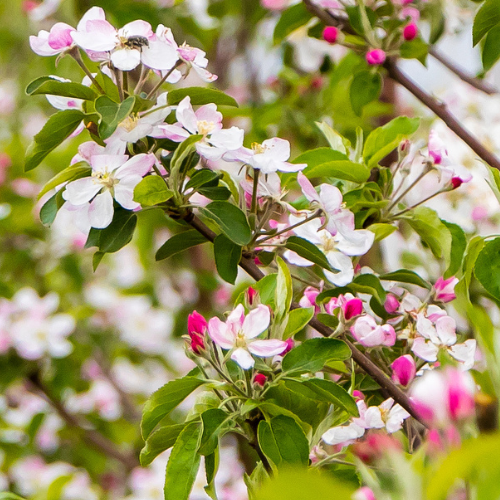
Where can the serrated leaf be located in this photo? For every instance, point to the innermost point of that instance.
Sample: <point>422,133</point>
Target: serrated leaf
<point>179,243</point>
<point>313,354</point>
<point>213,424</point>
<point>52,86</point>
<point>58,127</point>
<point>290,19</point>
<point>183,464</point>
<point>152,190</point>
<point>297,319</point>
<point>230,220</point>
<point>158,441</point>
<point>112,114</point>
<point>71,173</point>
<point>164,400</point>
<point>203,177</point>
<point>201,95</point>
<point>385,139</point>
<point>381,230</point>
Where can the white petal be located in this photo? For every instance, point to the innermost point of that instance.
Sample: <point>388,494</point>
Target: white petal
<point>243,358</point>
<point>126,59</point>
<point>425,350</point>
<point>256,321</point>
<point>159,56</point>
<point>357,242</point>
<point>265,348</point>
<point>139,164</point>
<point>220,333</point>
<point>343,434</point>
<point>81,191</point>
<point>465,353</point>
<point>373,418</point>
<point>101,210</point>
<point>185,115</point>
<point>445,329</point>
<point>344,265</point>
<point>124,192</point>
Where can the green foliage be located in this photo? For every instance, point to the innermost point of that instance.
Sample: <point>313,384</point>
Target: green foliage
<point>487,18</point>
<point>179,243</point>
<point>227,257</point>
<point>158,441</point>
<point>214,421</point>
<point>49,85</point>
<point>365,88</point>
<point>405,276</point>
<point>487,267</point>
<point>313,354</point>
<point>308,251</point>
<point>330,392</point>
<point>70,173</point>
<point>164,400</point>
<point>292,18</point>
<point>491,49</point>
<point>201,95</point>
<point>58,127</point>
<point>112,114</point>
<point>297,320</point>
<point>152,190</point>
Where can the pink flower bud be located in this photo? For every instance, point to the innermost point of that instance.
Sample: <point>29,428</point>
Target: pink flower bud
<point>410,32</point>
<point>251,295</point>
<point>391,304</point>
<point>260,379</point>
<point>290,344</point>
<point>330,34</point>
<point>456,182</point>
<point>352,308</point>
<point>445,289</point>
<point>375,57</point>
<point>309,298</point>
<point>274,4</point>
<point>403,370</point>
<point>364,493</point>
<point>375,446</point>
<point>437,149</point>
<point>358,395</point>
<point>197,327</point>
<point>366,331</point>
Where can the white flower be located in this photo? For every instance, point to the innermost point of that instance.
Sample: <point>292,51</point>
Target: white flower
<point>113,176</point>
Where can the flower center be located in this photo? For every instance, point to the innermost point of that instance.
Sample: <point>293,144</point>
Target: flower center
<point>328,244</point>
<point>258,148</point>
<point>130,123</point>
<point>205,127</point>
<point>241,341</point>
<point>104,178</point>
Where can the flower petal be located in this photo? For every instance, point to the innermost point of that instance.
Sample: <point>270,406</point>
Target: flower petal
<point>256,321</point>
<point>81,191</point>
<point>243,358</point>
<point>265,348</point>
<point>220,333</point>
<point>101,210</point>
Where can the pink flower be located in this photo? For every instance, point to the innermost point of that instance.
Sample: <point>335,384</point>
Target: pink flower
<point>441,396</point>
<point>352,308</point>
<point>403,370</point>
<point>274,4</point>
<point>445,289</point>
<point>330,34</point>
<point>57,40</point>
<point>238,334</point>
<point>364,493</point>
<point>366,331</point>
<point>375,446</point>
<point>436,147</point>
<point>391,304</point>
<point>309,298</point>
<point>375,57</point>
<point>410,32</point>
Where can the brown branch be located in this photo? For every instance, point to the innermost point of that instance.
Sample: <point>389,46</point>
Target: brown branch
<point>90,436</point>
<point>360,358</point>
<point>474,82</point>
<point>433,104</point>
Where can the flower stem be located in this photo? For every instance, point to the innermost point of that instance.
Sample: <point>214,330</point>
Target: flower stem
<point>75,54</point>
<point>162,81</point>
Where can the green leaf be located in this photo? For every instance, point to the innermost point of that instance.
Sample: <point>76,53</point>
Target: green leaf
<point>368,283</point>
<point>112,114</point>
<point>487,267</point>
<point>313,354</point>
<point>230,220</point>
<point>183,464</point>
<point>342,169</point>
<point>336,141</point>
<point>405,276</point>
<point>267,289</point>
<point>283,441</point>
<point>185,149</point>
<point>49,85</point>
<point>284,290</point>
<point>58,127</point>
<point>487,17</point>
<point>213,424</point>
<point>152,190</point>
<point>365,88</point>
<point>292,18</point>
<point>297,319</point>
<point>108,85</point>
<point>381,230</point>
<point>164,400</point>
<point>179,243</point>
<point>211,467</point>
<point>49,210</point>
<point>96,260</point>
<point>331,392</point>
<point>426,223</point>
<point>203,177</point>
<point>308,251</point>
<point>385,139</point>
<point>5,495</point>
<point>219,193</point>
<point>415,49</point>
<point>491,49</point>
<point>119,233</point>
<point>458,246</point>
<point>158,441</point>
<point>304,484</point>
<point>318,156</point>
<point>71,173</point>
<point>201,95</point>
<point>227,257</point>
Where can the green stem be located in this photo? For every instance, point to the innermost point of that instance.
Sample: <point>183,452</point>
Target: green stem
<point>408,189</point>
<point>419,203</point>
<point>162,81</point>
<point>75,54</point>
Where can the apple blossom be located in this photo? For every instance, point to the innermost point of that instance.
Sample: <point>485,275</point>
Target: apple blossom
<point>309,298</point>
<point>445,289</point>
<point>55,41</point>
<point>391,304</point>
<point>403,369</point>
<point>363,493</point>
<point>113,176</point>
<point>375,57</point>
<point>238,334</point>
<point>387,414</point>
<point>260,379</point>
<point>330,34</point>
<point>197,328</point>
<point>268,157</point>
<point>366,331</point>
<point>410,31</point>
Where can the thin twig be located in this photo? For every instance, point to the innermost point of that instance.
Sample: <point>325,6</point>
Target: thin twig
<point>474,82</point>
<point>164,79</point>
<point>360,358</point>
<point>89,436</point>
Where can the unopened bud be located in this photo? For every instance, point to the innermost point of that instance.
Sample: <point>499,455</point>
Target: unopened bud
<point>330,34</point>
<point>410,32</point>
<point>251,295</point>
<point>260,379</point>
<point>375,57</point>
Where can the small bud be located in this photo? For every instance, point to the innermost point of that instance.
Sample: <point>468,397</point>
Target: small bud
<point>290,344</point>
<point>259,379</point>
<point>410,32</point>
<point>357,395</point>
<point>352,308</point>
<point>456,182</point>
<point>445,289</point>
<point>375,57</point>
<point>197,327</point>
<point>391,304</point>
<point>251,295</point>
<point>330,34</point>
<point>363,493</point>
